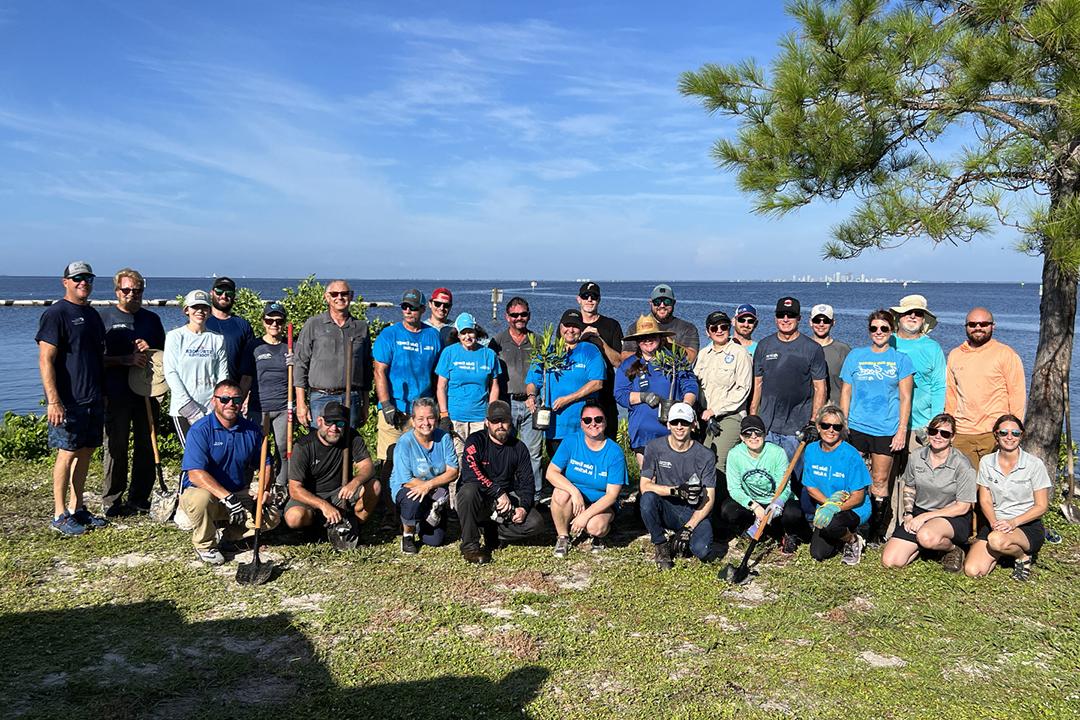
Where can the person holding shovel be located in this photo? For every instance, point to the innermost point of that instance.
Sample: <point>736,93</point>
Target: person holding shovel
<point>271,358</point>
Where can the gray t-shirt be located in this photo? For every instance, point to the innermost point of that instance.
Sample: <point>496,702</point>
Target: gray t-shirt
<point>787,371</point>
<point>668,467</point>
<point>935,488</point>
<point>515,360</point>
<point>835,353</point>
<point>1014,494</point>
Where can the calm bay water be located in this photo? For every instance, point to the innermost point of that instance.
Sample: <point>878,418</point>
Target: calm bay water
<point>1015,308</point>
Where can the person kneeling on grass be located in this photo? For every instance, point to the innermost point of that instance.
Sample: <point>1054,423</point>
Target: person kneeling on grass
<point>424,465</point>
<point>316,490</point>
<point>1014,494</point>
<point>495,490</point>
<point>939,492</point>
<point>587,473</point>
<point>678,489</point>
<point>834,498</point>
<point>220,455</point>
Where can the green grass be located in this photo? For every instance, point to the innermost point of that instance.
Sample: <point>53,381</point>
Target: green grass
<point>123,624</point>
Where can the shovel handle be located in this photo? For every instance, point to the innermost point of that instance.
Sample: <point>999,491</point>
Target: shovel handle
<point>780,488</point>
<point>153,430</point>
<point>264,472</point>
<point>289,416</point>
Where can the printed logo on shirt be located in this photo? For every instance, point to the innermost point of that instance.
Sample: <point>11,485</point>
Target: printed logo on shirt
<point>585,468</point>
<point>728,359</point>
<point>78,321</point>
<point>264,356</point>
<point>198,352</point>
<point>772,356</point>
<point>876,370</point>
<point>664,464</point>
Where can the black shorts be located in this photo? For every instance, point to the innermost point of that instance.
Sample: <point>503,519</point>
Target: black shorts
<point>870,444</point>
<point>83,427</point>
<point>961,527</point>
<point>1033,531</point>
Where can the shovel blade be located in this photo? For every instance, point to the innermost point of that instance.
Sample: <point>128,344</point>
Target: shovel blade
<point>255,572</point>
<point>1071,513</point>
<point>735,574</point>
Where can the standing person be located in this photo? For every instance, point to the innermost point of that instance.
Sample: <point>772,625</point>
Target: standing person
<point>571,387</point>
<point>914,321</point>
<point>984,379</point>
<point>442,302</point>
<point>877,402</point>
<point>662,308</point>
<point>466,383</point>
<point>746,320</point>
<point>939,492</point>
<point>789,379</point>
<point>405,355</point>
<point>71,360</point>
<point>319,372</point>
<point>835,481</point>
<point>822,319</point>
<point>194,363</point>
<point>425,463</point>
<point>130,332</point>
<point>239,337</point>
<point>603,332</point>
<point>726,372</point>
<point>642,387</point>
<point>514,348</point>
<point>587,474</point>
<point>1014,494</point>
<point>270,391</point>
<point>678,489</point>
<point>495,488</point>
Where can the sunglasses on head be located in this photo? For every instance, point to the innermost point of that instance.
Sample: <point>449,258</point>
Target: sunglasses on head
<point>786,315</point>
<point>441,304</point>
<point>980,324</point>
<point>880,328</point>
<point>679,423</point>
<point>273,321</point>
<point>1007,433</point>
<point>598,419</point>
<point>224,293</point>
<point>516,315</point>
<point>409,308</point>
<point>723,327</point>
<point>237,400</point>
<point>830,426</point>
<point>589,296</point>
<point>129,291</point>
<point>938,431</point>
<point>663,301</point>
<point>82,278</point>
<point>339,293</point>
<point>821,320</point>
<point>752,433</point>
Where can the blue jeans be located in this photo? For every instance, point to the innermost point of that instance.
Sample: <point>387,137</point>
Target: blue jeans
<point>533,439</point>
<point>790,443</point>
<point>661,513</point>
<point>318,400</point>
<point>414,513</point>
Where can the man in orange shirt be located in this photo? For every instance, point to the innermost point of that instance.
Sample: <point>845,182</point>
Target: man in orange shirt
<point>984,379</point>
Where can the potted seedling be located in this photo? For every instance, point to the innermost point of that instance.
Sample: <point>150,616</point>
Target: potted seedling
<point>550,354</point>
<point>674,364</point>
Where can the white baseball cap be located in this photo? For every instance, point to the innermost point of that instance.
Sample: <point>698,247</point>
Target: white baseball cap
<point>196,297</point>
<point>681,411</point>
<point>822,309</point>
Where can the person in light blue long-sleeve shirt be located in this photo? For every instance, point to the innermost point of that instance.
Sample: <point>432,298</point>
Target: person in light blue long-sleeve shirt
<point>914,320</point>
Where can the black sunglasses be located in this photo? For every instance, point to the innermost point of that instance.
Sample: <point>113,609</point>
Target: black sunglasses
<point>82,278</point>
<point>517,315</point>
<point>831,426</point>
<point>225,293</point>
<point>821,320</point>
<point>441,304</point>
<point>339,424</point>
<point>746,320</point>
<point>598,419</point>
<point>719,328</point>
<point>938,431</point>
<point>339,293</point>
<point>679,423</point>
<point>130,291</point>
<point>409,308</point>
<point>916,313</point>
<point>752,433</point>
<point>227,399</point>
<point>273,321</point>
<point>663,301</point>
<point>787,316</point>
<point>880,328</point>
<point>979,324</point>
<point>589,296</point>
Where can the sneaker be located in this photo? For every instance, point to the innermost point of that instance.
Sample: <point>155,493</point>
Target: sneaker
<point>88,520</point>
<point>408,545</point>
<point>562,546</point>
<point>119,509</point>
<point>789,544</point>
<point>138,508</point>
<point>662,556</point>
<point>211,556</point>
<point>1052,537</point>
<point>435,515</point>
<point>476,556</point>
<point>1022,570</point>
<point>953,562</point>
<point>597,545</point>
<point>853,551</point>
<point>66,525</point>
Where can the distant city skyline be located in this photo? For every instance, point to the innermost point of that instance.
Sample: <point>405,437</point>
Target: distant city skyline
<point>465,140</point>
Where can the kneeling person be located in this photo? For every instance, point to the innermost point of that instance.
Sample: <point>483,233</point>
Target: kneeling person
<point>587,473</point>
<point>220,454</point>
<point>678,489</point>
<point>495,490</point>
<point>317,490</point>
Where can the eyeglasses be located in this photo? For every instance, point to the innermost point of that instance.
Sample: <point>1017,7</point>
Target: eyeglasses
<point>719,328</point>
<point>979,324</point>
<point>339,293</point>
<point>915,312</point>
<point>225,293</point>
<point>821,320</point>
<point>679,423</point>
<point>339,424</point>
<point>591,296</point>
<point>880,328</point>
<point>409,308</point>
<point>129,291</point>
<point>441,304</point>
<point>598,419</point>
<point>663,301</point>
<point>273,321</point>
<point>1007,433</point>
<point>746,320</point>
<point>517,315</point>
<point>237,400</point>
<point>787,316</point>
<point>752,433</point>
<point>932,432</point>
<point>82,278</point>
<point>830,426</point>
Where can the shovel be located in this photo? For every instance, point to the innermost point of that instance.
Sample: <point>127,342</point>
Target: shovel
<point>1069,508</point>
<point>741,574</point>
<point>257,572</point>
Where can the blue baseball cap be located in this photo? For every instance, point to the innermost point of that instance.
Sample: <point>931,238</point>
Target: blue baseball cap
<point>274,308</point>
<point>465,321</point>
<point>746,309</point>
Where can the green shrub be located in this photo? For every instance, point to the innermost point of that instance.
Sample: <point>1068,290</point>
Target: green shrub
<point>24,437</point>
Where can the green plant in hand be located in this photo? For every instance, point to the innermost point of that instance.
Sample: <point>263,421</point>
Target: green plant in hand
<point>549,352</point>
<point>673,363</point>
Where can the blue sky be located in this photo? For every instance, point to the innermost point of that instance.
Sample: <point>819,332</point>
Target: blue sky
<point>456,140</point>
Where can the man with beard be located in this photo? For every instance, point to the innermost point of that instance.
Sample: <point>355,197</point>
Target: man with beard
<point>662,307</point>
<point>603,332</point>
<point>984,379</point>
<point>237,332</point>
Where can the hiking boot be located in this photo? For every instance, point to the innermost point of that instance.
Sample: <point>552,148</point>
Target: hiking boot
<point>562,546</point>
<point>853,551</point>
<point>210,556</point>
<point>88,520</point>
<point>66,525</point>
<point>662,556</point>
<point>343,535</point>
<point>1052,537</point>
<point>438,508</point>
<point>408,545</point>
<point>139,508</point>
<point>119,509</point>
<point>953,562</point>
<point>476,556</point>
<point>597,545</point>
<point>789,544</point>
<point>1022,570</point>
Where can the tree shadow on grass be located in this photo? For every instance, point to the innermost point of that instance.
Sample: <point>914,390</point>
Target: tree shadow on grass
<point>144,661</point>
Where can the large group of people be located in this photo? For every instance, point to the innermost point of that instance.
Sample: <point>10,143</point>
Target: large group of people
<point>796,435</point>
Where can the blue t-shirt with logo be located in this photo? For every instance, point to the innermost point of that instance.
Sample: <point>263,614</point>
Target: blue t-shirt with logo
<point>468,374</point>
<point>591,471</point>
<point>841,469</point>
<point>875,388</point>
<point>413,460</point>
<point>585,364</point>
<point>77,333</point>
<point>928,362</point>
<point>411,358</point>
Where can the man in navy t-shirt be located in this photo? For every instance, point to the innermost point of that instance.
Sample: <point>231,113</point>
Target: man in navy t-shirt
<point>237,332</point>
<point>71,345</point>
<point>130,331</point>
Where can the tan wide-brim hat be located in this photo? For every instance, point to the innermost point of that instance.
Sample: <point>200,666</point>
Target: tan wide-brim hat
<point>915,302</point>
<point>149,381</point>
<point>647,326</point>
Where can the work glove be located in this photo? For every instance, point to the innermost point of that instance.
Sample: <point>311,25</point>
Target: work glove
<point>840,497</point>
<point>289,359</point>
<point>237,512</point>
<point>775,510</point>
<point>192,411</point>
<point>394,417</point>
<point>808,434</point>
<point>651,399</point>
<point>680,543</point>
<point>446,424</point>
<point>825,513</point>
<point>690,493</point>
<point>713,426</point>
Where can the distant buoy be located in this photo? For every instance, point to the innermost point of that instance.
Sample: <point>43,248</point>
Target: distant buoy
<point>905,283</point>
<point>533,284</point>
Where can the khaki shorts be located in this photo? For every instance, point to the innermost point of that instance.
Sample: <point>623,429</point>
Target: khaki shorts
<point>388,435</point>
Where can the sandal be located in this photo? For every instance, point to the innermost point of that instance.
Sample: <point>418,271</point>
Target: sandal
<point>1022,570</point>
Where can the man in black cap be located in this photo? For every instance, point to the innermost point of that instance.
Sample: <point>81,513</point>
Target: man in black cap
<point>789,378</point>
<point>71,352</point>
<point>236,331</point>
<point>662,307</point>
<point>495,488</point>
<point>603,332</point>
<point>316,490</point>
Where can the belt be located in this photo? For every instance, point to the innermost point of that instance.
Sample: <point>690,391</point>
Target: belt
<point>329,391</point>
<point>518,396</point>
